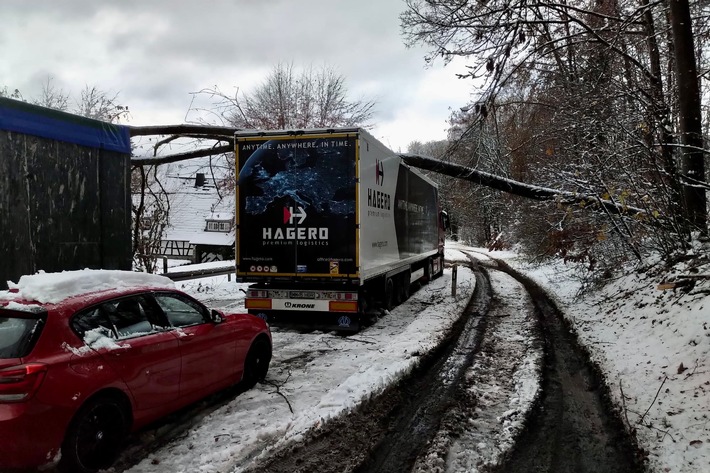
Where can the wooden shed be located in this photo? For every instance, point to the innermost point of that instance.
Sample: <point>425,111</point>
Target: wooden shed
<point>65,200</point>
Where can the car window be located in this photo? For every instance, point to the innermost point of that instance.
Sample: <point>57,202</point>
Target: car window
<point>17,335</point>
<point>94,320</point>
<point>118,319</point>
<point>181,311</point>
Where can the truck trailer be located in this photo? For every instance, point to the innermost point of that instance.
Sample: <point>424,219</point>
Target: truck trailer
<point>331,226</point>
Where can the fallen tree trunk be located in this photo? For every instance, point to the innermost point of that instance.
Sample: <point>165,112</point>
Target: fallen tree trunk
<point>173,158</point>
<point>423,162</point>
<point>518,188</point>
<point>207,130</point>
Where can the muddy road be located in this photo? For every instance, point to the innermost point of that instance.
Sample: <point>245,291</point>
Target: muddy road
<point>573,429</point>
<point>506,389</point>
<point>363,440</point>
<point>509,391</point>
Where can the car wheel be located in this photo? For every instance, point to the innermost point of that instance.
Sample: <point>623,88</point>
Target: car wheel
<point>256,364</point>
<point>401,288</point>
<point>95,436</point>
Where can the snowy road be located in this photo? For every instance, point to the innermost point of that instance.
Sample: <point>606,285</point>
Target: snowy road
<point>314,377</point>
<point>321,382</point>
<point>498,390</point>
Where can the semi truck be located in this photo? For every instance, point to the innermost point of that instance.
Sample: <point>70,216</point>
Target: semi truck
<point>331,226</point>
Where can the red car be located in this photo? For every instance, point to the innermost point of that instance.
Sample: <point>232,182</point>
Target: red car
<point>88,356</point>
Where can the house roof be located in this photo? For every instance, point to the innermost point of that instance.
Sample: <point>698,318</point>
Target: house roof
<point>191,207</point>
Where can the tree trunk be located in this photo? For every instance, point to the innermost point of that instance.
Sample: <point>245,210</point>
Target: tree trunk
<point>690,121</point>
<point>520,188</point>
<point>660,112</point>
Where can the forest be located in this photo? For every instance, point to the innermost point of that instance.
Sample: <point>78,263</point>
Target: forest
<point>602,101</point>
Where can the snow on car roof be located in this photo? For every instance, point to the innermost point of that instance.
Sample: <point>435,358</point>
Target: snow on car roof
<point>51,288</point>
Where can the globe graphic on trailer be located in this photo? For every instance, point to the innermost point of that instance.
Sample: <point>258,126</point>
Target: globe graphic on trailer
<point>321,177</point>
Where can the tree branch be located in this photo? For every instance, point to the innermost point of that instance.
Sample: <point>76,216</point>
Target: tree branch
<point>182,130</point>
<point>173,158</point>
<point>640,421</point>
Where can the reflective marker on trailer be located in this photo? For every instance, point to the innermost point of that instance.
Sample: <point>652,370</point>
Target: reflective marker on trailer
<point>343,306</point>
<point>257,303</point>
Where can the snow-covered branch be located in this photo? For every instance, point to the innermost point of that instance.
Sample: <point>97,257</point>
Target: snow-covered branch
<point>182,130</point>
<point>173,158</point>
<point>518,188</point>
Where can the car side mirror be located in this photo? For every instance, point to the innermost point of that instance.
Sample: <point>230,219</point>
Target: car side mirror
<point>216,316</point>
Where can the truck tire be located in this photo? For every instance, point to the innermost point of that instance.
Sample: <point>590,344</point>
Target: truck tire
<point>390,294</point>
<point>429,270</point>
<point>441,267</point>
<point>403,286</point>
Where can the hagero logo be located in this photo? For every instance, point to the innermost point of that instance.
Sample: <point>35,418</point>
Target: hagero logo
<point>294,217</point>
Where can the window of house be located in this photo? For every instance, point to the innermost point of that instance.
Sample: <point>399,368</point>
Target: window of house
<point>217,226</point>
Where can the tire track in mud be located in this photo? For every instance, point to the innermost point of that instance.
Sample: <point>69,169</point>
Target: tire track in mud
<point>497,390</point>
<point>365,440</point>
<point>574,428</point>
<point>571,426</point>
<point>433,394</point>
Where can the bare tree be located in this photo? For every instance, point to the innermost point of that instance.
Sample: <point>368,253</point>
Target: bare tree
<point>577,98</point>
<point>289,99</point>
<point>52,97</point>
<point>690,118</point>
<point>150,209</point>
<point>91,103</point>
<point>11,94</point>
<point>100,105</point>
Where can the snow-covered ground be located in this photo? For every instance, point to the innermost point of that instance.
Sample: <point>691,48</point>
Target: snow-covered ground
<point>651,344</point>
<point>313,377</point>
<point>500,387</point>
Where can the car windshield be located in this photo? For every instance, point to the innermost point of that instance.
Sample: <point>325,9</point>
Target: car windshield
<point>17,334</point>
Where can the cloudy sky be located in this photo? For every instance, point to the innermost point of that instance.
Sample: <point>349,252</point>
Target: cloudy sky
<point>156,54</point>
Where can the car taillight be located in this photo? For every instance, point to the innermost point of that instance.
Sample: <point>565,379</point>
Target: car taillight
<point>20,383</point>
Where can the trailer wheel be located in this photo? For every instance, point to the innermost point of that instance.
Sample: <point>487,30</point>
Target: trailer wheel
<point>429,270</point>
<point>403,289</point>
<point>390,295</point>
<point>440,272</point>
<point>441,266</point>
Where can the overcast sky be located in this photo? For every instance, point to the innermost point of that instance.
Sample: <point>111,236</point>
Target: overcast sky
<point>156,53</point>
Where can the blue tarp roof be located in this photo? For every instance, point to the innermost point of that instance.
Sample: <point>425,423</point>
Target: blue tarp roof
<point>29,119</point>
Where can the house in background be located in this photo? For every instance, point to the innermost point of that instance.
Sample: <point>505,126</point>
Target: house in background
<point>200,222</point>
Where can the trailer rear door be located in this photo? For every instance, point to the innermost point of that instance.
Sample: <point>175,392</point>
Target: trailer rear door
<point>296,206</point>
